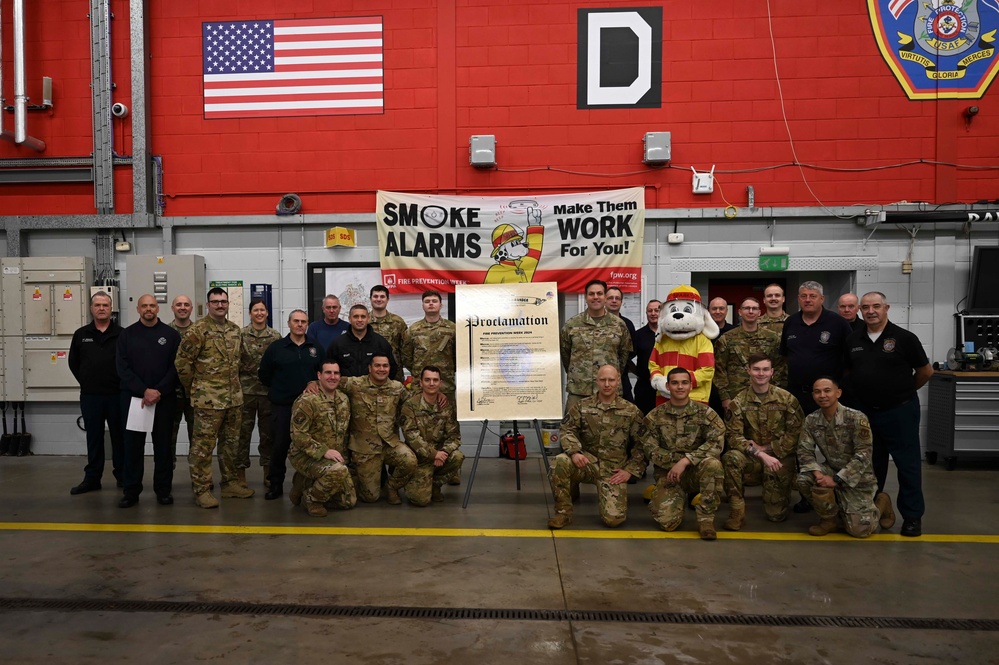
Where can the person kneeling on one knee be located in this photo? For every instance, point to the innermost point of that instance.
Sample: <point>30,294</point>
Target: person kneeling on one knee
<point>843,487</point>
<point>595,436</point>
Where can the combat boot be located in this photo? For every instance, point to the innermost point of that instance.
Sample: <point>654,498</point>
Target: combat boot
<point>706,528</point>
<point>560,520</point>
<point>241,477</point>
<point>825,526</point>
<point>314,509</point>
<point>737,513</point>
<point>883,502</point>
<point>267,471</point>
<point>436,493</point>
<point>206,500</point>
<point>233,490</point>
<point>392,496</point>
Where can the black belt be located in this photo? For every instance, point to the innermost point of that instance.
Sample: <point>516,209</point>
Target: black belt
<point>889,408</point>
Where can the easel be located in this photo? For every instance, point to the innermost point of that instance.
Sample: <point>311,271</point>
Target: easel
<point>478,453</point>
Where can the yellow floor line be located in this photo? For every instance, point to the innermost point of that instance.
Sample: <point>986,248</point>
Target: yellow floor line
<point>473,533</point>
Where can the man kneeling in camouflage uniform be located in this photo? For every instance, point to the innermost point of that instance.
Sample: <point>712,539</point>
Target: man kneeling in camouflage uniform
<point>684,444</point>
<point>432,432</point>
<point>843,487</point>
<point>763,424</point>
<point>375,405</point>
<point>595,435</point>
<point>319,452</point>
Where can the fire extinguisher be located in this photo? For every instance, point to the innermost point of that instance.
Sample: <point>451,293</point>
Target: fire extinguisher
<point>513,447</point>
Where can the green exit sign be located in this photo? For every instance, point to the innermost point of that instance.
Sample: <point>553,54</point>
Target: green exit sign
<point>773,262</point>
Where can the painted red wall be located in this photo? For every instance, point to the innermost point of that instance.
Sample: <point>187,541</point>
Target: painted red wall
<point>457,68</point>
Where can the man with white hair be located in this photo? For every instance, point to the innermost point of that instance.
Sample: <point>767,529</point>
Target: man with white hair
<point>887,365</point>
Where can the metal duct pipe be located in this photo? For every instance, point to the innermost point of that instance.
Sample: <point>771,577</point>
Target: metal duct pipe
<point>20,98</point>
<point>4,133</point>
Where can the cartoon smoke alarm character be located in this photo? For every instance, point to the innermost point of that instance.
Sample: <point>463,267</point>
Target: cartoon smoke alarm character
<point>684,340</point>
<point>516,258</point>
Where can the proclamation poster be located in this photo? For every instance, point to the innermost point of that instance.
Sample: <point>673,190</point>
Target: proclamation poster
<point>508,352</point>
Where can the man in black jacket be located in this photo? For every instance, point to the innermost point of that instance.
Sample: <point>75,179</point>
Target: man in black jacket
<point>353,349</point>
<point>286,369</point>
<point>92,361</point>
<point>146,353</point>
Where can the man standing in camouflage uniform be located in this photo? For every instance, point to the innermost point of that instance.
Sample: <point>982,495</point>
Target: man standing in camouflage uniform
<point>430,341</point>
<point>763,424</point>
<point>256,406</point>
<point>684,444</point>
<point>375,405</point>
<point>732,351</point>
<point>319,452</point>
<point>596,434</point>
<point>432,433</point>
<point>182,309</point>
<point>208,366</point>
<point>843,486</point>
<point>590,340</point>
<point>773,299</point>
<point>388,325</point>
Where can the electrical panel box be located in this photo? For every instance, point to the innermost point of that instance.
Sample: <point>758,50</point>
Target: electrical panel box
<point>165,277</point>
<point>482,151</point>
<point>658,147</point>
<point>45,299</point>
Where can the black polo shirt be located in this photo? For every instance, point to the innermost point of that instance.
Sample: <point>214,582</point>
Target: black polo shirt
<point>813,350</point>
<point>881,372</point>
<point>286,368</point>
<point>353,354</point>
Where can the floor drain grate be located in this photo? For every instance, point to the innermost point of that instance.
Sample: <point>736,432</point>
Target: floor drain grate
<point>480,613</point>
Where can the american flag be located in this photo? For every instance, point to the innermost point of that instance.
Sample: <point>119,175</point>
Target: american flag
<point>293,67</point>
<point>896,7</point>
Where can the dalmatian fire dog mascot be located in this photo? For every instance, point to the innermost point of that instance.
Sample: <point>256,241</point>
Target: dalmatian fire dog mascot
<point>684,340</point>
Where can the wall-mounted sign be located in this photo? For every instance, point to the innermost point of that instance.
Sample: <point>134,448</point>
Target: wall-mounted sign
<point>338,236</point>
<point>944,49</point>
<point>619,58</point>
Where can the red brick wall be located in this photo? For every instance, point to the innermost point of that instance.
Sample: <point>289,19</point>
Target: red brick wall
<point>509,69</point>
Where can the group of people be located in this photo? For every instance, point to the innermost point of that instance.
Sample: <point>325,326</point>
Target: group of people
<point>815,401</point>
<point>326,397</point>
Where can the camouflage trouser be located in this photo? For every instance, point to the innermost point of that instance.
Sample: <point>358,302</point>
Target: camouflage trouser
<point>420,488</point>
<point>742,470</point>
<point>324,481</point>
<point>211,426</point>
<point>182,409</point>
<point>613,499</point>
<point>669,500</point>
<point>854,505</point>
<point>257,406</point>
<point>368,467</point>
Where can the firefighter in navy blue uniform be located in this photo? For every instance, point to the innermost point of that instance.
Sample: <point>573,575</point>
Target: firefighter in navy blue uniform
<point>887,365</point>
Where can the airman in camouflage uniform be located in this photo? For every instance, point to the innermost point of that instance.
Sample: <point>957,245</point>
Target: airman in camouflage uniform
<point>595,437</point>
<point>774,315</point>
<point>256,338</point>
<point>433,434</point>
<point>684,444</point>
<point>763,424</point>
<point>431,341</point>
<point>208,366</point>
<point>390,326</point>
<point>375,405</point>
<point>319,454</point>
<point>732,351</point>
<point>590,340</point>
<point>843,486</point>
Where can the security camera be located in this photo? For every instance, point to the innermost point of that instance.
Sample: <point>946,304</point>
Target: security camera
<point>119,110</point>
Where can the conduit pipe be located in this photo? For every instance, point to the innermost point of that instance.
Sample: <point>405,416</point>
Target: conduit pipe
<point>20,98</point>
<point>4,133</point>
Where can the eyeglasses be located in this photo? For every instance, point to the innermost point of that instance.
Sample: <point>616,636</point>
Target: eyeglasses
<point>750,309</point>
<point>218,302</point>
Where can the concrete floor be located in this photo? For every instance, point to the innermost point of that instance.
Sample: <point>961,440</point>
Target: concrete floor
<point>495,554</point>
